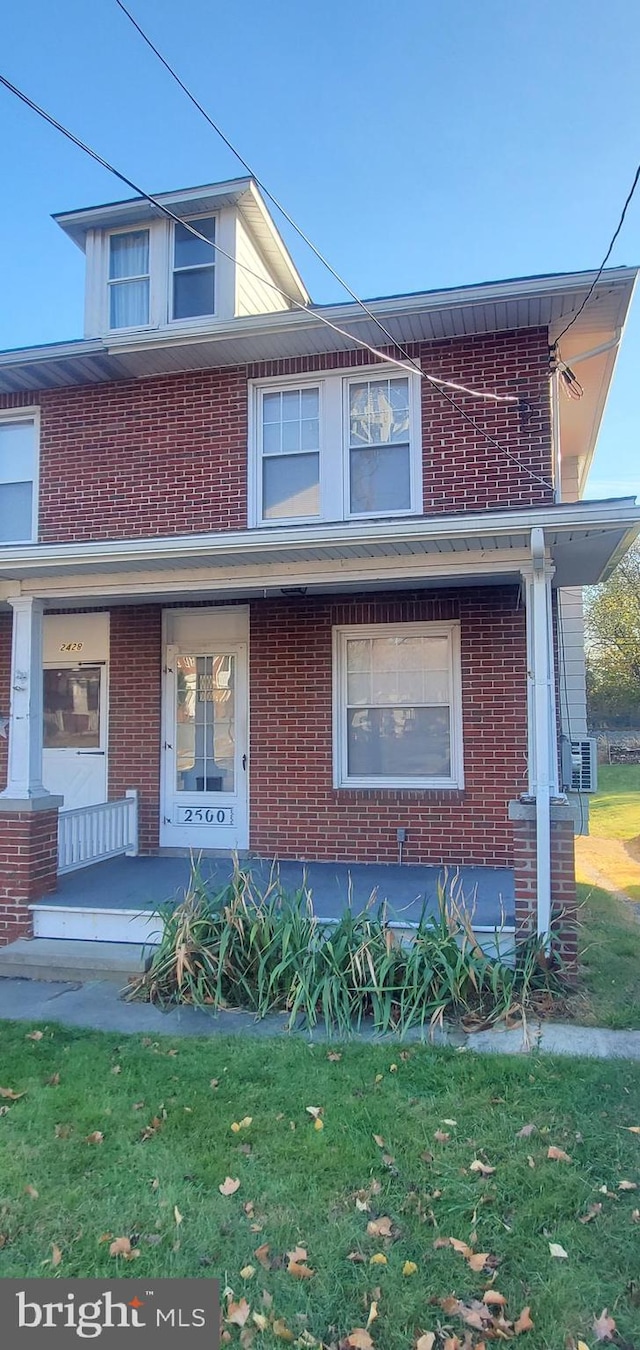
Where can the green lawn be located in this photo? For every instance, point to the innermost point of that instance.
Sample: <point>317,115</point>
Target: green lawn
<point>299,1184</point>
<point>609,994</point>
<point>614,813</point>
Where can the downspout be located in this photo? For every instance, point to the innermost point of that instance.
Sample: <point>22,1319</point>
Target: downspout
<point>541,677</point>
<point>555,434</point>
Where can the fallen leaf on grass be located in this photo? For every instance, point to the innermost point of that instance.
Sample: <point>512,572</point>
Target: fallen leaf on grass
<point>315,1111</point>
<point>426,1342</point>
<point>300,1271</point>
<point>34,1035</point>
<point>582,1345</point>
<point>241,1124</point>
<point>10,1095</point>
<point>378,1259</point>
<point>377,1139</point>
<point>442,1137</point>
<point>214,1083</point>
<point>31,1192</point>
<point>122,1247</point>
<point>492,1297</point>
<point>409,1268</point>
<point>56,1255</point>
<point>318,1123</point>
<point>558,1154</point>
<point>362,1205</point>
<point>523,1322</point>
<point>379,1227</point>
<point>229,1186</point>
<point>592,1213</point>
<point>475,1314</point>
<point>483,1168</point>
<point>117,1068</point>
<point>177,1216</point>
<point>627,1186</point>
<point>635,1216</point>
<point>237,1313</point>
<point>260,1320</point>
<point>526,1131</point>
<point>262,1255</point>
<point>96,1137</point>
<point>603,1326</point>
<point>333,1056</point>
<point>357,1257</point>
<point>358,1339</point>
<point>556,1250</point>
<point>633,1129</point>
<point>53,1081</point>
<point>281,1330</point>
<point>373,1313</point>
<point>478,1260</point>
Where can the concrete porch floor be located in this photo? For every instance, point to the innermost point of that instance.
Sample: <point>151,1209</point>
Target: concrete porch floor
<point>141,884</point>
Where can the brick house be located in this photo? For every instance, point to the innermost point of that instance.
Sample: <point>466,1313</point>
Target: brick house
<point>284,590</point>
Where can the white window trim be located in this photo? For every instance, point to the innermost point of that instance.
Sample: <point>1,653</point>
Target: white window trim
<point>143,227</point>
<point>194,319</point>
<point>341,634</point>
<point>27,414</point>
<point>334,443</point>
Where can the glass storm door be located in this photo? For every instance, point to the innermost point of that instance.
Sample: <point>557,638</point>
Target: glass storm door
<point>74,754</point>
<point>205,752</point>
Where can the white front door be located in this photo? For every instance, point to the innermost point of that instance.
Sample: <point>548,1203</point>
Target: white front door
<point>74,754</point>
<point>205,773</point>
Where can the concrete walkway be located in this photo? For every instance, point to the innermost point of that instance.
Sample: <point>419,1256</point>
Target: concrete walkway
<point>97,1006</point>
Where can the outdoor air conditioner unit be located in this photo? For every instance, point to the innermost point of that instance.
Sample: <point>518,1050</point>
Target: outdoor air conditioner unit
<point>584,765</point>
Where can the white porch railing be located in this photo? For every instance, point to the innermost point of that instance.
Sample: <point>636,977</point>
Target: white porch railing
<point>89,834</point>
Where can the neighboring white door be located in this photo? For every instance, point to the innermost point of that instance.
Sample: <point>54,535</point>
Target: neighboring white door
<point>74,756</point>
<point>205,773</point>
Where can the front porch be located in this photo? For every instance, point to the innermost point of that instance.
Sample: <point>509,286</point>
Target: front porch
<point>117,900</point>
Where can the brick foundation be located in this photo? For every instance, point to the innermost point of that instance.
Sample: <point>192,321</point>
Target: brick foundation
<point>563,879</point>
<point>28,865</point>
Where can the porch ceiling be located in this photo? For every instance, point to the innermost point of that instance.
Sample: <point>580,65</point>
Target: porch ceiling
<point>583,541</point>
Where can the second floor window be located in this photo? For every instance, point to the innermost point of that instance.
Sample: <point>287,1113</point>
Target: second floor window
<point>18,474</point>
<point>193,270</point>
<point>342,446</point>
<point>129,279</point>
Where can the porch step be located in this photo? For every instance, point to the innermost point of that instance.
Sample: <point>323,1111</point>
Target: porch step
<point>65,959</point>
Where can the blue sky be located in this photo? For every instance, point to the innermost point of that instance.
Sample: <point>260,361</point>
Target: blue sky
<point>421,144</point>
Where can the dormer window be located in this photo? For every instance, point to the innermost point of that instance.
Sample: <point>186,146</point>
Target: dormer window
<point>129,279</point>
<point>194,270</point>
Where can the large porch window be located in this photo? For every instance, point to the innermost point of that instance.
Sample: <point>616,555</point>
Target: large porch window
<point>397,706</point>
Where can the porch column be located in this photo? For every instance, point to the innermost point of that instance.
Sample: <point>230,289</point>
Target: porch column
<point>541,861</point>
<point>28,813</point>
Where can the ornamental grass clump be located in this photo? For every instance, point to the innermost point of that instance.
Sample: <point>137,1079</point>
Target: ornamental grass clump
<point>268,952</point>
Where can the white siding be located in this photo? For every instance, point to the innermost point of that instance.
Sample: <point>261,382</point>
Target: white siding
<point>573,693</point>
<point>569,480</point>
<point>252,295</point>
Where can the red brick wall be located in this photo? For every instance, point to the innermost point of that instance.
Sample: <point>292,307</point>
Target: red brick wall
<point>168,455</point>
<point>135,671</point>
<point>28,867</point>
<point>563,882</point>
<point>296,812</point>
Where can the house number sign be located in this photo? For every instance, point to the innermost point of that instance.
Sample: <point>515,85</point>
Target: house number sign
<point>204,815</point>
<point>71,646</point>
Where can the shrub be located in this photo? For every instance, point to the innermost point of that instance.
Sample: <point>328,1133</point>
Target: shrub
<point>269,952</point>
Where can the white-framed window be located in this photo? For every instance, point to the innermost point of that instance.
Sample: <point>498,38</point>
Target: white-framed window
<point>129,279</point>
<point>19,446</point>
<point>397,706</point>
<point>193,270</point>
<point>336,445</point>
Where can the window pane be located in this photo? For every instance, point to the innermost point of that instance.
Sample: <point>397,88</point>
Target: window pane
<point>189,251</point>
<point>272,438</point>
<point>271,407</point>
<point>205,724</point>
<point>290,437</point>
<point>193,292</point>
<point>290,486</point>
<point>128,304</point>
<point>310,403</point>
<point>17,451</point>
<point>71,709</point>
<point>399,743</point>
<point>379,412</point>
<point>16,512</point>
<point>129,255</point>
<point>381,479</point>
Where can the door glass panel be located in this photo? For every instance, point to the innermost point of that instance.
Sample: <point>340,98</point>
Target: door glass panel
<point>72,709</point>
<point>205,723</point>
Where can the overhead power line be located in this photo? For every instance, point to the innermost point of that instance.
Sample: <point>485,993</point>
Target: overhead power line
<point>605,260</point>
<point>315,313</point>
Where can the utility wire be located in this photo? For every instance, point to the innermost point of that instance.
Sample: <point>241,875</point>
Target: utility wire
<point>503,398</point>
<point>171,215</point>
<point>604,262</point>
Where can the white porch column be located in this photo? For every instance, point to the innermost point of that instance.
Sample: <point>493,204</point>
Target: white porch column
<point>542,739</point>
<point>24,781</point>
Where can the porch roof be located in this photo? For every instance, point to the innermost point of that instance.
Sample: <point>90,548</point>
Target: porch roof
<point>583,540</point>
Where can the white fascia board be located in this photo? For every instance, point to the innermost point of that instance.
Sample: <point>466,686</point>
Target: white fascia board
<point>616,514</point>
